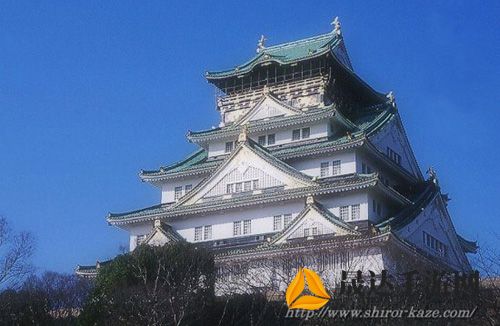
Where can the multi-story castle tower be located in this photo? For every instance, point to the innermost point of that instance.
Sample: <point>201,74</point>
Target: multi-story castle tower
<point>308,161</point>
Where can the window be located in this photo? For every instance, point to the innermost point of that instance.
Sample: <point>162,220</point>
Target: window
<point>325,169</point>
<point>141,238</point>
<point>229,147</point>
<point>207,232</point>
<point>247,226</point>
<point>306,232</point>
<point>344,213</point>
<point>287,218</point>
<point>393,156</point>
<point>434,244</point>
<point>237,228</point>
<point>255,184</point>
<point>314,231</point>
<point>238,187</point>
<point>363,168</point>
<point>229,188</point>
<point>187,188</point>
<point>197,233</point>
<point>262,140</point>
<point>296,134</point>
<point>177,193</point>
<point>242,186</point>
<point>271,139</point>
<point>306,132</point>
<point>336,167</point>
<point>277,223</point>
<point>247,186</point>
<point>355,212</point>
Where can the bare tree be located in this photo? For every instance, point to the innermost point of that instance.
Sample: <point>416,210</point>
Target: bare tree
<point>16,250</point>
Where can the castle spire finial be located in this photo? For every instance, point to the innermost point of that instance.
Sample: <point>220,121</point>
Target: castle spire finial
<point>260,44</point>
<point>392,98</point>
<point>336,26</point>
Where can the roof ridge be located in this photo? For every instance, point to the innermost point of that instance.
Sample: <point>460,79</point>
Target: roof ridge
<point>304,40</point>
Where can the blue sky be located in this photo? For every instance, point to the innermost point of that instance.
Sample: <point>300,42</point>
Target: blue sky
<point>93,91</point>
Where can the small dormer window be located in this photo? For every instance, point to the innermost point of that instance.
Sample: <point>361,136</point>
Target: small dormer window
<point>296,134</point>
<point>271,139</point>
<point>306,132</point>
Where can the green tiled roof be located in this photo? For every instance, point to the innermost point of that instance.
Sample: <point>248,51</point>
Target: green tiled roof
<point>322,186</point>
<point>199,162</point>
<point>285,53</point>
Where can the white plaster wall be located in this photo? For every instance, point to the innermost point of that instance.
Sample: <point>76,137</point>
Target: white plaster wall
<point>138,229</point>
<point>167,188</point>
<point>335,201</point>
<point>283,136</point>
<point>222,222</point>
<point>312,166</point>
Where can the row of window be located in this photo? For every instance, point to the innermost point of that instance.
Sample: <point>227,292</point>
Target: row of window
<point>299,134</point>
<point>203,233</point>
<point>434,244</point>
<point>310,231</point>
<point>243,186</point>
<point>350,213</point>
<point>393,156</point>
<point>267,140</point>
<point>281,221</point>
<point>325,170</point>
<point>247,227</point>
<point>181,191</point>
<point>365,168</point>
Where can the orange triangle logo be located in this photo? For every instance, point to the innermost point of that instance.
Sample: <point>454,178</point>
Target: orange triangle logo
<point>294,300</point>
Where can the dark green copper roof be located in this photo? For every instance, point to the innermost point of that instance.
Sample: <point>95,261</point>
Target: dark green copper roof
<point>285,53</point>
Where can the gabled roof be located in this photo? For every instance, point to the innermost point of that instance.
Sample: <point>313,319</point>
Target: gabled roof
<point>199,162</point>
<point>233,130</point>
<point>286,109</point>
<point>345,183</point>
<point>248,147</point>
<point>285,53</point>
<point>165,230</point>
<point>328,217</point>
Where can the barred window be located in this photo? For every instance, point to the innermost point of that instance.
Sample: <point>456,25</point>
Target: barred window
<point>271,139</point>
<point>287,218</point>
<point>344,213</point>
<point>296,134</point>
<point>237,228</point>
<point>197,233</point>
<point>314,231</point>
<point>177,193</point>
<point>187,188</point>
<point>306,132</point>
<point>277,223</point>
<point>355,212</point>
<point>262,140</point>
<point>207,232</point>
<point>255,184</point>
<point>247,186</point>
<point>229,188</point>
<point>306,232</point>
<point>325,169</point>
<point>336,167</point>
<point>247,226</point>
<point>229,147</point>
<point>394,156</point>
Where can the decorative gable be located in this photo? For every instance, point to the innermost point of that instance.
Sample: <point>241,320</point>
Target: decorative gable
<point>392,141</point>
<point>161,235</point>
<point>313,221</point>
<point>432,230</point>
<point>268,107</point>
<point>248,169</point>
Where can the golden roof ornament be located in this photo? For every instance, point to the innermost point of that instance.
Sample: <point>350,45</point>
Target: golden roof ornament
<point>243,136</point>
<point>260,44</point>
<point>432,175</point>
<point>336,26</point>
